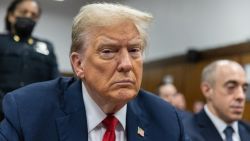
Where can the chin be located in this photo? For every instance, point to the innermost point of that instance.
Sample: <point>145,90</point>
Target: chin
<point>126,95</point>
<point>236,117</point>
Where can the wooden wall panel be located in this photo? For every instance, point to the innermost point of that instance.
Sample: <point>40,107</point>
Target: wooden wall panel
<point>192,90</point>
<point>187,74</point>
<point>152,78</point>
<point>177,72</point>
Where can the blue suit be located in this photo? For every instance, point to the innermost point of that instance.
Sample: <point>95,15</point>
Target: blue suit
<point>201,128</point>
<point>54,111</point>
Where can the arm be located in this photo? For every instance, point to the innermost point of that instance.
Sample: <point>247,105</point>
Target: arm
<point>184,136</point>
<point>10,129</point>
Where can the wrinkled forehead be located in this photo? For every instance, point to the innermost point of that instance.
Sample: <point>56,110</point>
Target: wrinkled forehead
<point>124,32</point>
<point>123,29</point>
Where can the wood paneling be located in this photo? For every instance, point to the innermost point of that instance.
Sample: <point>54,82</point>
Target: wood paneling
<point>187,74</point>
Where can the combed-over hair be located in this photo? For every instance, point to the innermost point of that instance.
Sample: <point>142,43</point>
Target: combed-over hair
<point>105,14</point>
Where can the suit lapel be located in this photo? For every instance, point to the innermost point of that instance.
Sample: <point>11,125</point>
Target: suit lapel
<point>207,128</point>
<point>134,128</point>
<point>73,126</point>
<point>244,134</point>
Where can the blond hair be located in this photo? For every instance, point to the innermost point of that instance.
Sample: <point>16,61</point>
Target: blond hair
<point>105,14</point>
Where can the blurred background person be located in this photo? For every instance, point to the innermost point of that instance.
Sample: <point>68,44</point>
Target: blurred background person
<point>169,93</point>
<point>24,59</point>
<point>166,91</point>
<point>198,106</point>
<point>224,86</point>
<point>179,101</point>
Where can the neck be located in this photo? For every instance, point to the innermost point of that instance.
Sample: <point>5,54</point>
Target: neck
<point>111,108</point>
<point>217,114</point>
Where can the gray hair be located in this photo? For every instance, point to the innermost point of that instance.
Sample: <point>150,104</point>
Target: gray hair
<point>106,14</point>
<point>208,73</point>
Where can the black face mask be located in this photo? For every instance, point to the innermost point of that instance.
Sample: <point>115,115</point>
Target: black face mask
<point>24,26</point>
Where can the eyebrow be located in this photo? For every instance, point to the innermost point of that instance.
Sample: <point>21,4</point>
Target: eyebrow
<point>235,83</point>
<point>231,82</point>
<point>114,41</point>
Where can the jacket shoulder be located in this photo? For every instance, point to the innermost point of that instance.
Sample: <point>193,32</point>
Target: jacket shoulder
<point>42,90</point>
<point>152,100</point>
<point>4,36</point>
<point>159,115</point>
<point>47,42</point>
<point>245,125</point>
<point>153,107</point>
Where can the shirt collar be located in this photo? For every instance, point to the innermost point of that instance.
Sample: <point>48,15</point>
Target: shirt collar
<point>95,115</point>
<point>220,124</point>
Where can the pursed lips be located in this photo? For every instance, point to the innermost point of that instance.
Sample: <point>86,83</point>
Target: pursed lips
<point>124,82</point>
<point>237,108</point>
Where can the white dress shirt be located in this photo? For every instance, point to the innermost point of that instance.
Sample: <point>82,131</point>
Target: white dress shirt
<point>220,125</point>
<point>95,116</point>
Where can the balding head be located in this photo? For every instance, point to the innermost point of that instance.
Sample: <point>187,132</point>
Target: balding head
<point>167,91</point>
<point>224,86</point>
<point>210,72</point>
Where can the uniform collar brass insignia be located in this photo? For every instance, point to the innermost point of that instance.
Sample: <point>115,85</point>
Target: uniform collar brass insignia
<point>17,39</point>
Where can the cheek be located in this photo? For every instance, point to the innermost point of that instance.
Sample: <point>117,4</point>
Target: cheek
<point>223,103</point>
<point>99,72</point>
<point>11,19</point>
<point>138,72</point>
<point>218,100</point>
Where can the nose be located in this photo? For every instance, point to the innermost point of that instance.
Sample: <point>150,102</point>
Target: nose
<point>28,15</point>
<point>241,95</point>
<point>124,61</point>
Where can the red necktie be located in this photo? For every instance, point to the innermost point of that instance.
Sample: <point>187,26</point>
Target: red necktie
<point>110,123</point>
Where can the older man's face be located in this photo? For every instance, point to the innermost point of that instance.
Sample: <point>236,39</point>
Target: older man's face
<point>112,63</point>
<point>227,97</point>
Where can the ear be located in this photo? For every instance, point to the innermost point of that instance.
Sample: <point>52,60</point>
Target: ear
<point>207,90</point>
<point>77,64</point>
<point>11,18</point>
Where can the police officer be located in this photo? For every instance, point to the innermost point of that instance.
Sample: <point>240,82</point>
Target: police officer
<point>24,59</point>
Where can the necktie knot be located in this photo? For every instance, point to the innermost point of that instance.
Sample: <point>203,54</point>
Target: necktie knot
<point>110,122</point>
<point>229,133</point>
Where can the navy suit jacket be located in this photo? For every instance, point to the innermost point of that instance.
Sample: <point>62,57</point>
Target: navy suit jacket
<point>54,111</point>
<point>201,128</point>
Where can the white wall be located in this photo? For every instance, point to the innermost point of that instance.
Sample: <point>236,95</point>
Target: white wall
<point>178,25</point>
<point>57,29</point>
<point>200,24</point>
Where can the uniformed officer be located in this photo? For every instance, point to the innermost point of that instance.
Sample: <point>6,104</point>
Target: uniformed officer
<point>24,59</point>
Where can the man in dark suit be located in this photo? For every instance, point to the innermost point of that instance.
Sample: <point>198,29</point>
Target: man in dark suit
<point>224,86</point>
<point>104,102</point>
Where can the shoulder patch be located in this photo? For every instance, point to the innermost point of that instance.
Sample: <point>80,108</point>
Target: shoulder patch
<point>41,47</point>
